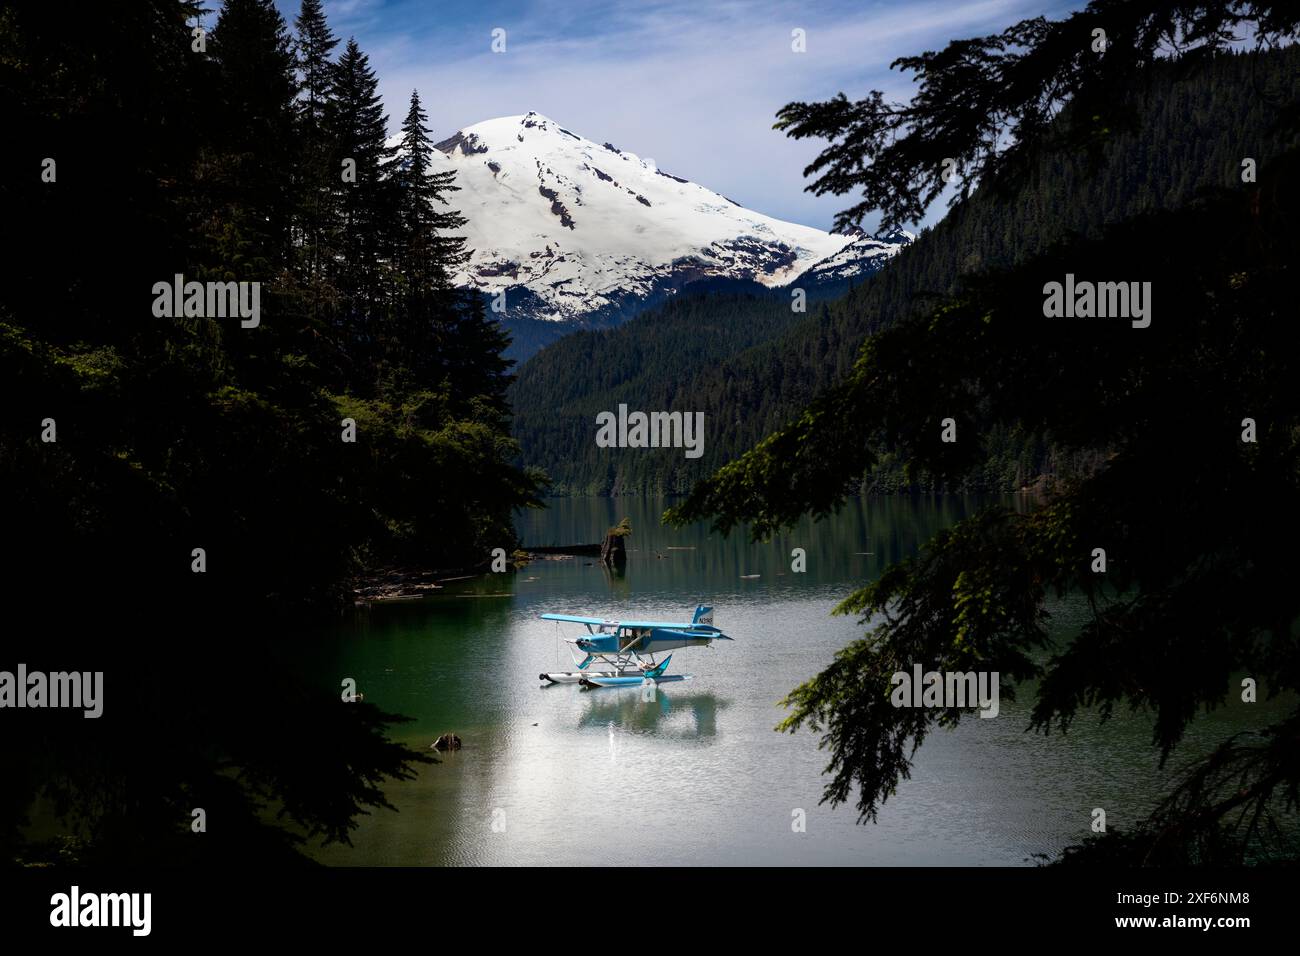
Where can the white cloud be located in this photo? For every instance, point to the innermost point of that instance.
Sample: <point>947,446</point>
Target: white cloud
<point>695,85</point>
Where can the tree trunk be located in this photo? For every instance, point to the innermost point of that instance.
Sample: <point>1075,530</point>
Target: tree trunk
<point>613,553</point>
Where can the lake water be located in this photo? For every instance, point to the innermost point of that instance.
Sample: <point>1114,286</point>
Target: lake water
<point>563,775</point>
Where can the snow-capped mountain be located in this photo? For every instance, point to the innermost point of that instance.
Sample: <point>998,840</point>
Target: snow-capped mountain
<point>861,256</point>
<point>580,233</point>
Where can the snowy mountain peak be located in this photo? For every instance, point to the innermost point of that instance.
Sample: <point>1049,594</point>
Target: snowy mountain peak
<point>530,133</point>
<point>583,231</point>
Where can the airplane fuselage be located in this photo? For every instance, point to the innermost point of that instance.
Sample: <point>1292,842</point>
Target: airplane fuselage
<point>647,640</point>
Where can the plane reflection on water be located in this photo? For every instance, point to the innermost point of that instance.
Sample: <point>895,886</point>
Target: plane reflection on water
<point>670,714</point>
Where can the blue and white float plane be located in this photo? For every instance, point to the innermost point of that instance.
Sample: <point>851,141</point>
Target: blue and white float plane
<point>628,648</point>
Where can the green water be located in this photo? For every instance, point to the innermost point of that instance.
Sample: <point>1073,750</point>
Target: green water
<point>562,775</point>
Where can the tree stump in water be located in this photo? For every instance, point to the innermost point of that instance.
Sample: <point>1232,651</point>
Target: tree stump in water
<point>613,553</point>
<point>447,742</point>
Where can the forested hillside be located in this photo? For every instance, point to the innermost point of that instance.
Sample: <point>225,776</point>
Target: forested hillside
<point>1142,588</point>
<point>230,434</point>
<point>188,482</point>
<point>1191,127</point>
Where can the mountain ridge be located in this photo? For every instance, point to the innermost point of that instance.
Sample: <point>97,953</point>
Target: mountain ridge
<point>585,235</point>
<point>1188,136</point>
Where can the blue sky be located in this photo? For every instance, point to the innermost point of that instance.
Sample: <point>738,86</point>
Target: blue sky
<point>693,84</point>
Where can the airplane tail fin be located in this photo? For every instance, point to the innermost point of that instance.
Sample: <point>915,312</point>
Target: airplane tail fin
<point>703,615</point>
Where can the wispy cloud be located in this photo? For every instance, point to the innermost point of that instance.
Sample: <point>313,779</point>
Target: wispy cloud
<point>693,84</point>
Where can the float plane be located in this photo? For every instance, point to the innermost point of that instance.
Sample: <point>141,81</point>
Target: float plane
<point>624,651</point>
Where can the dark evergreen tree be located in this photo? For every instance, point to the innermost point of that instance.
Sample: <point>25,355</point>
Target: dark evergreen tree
<point>1006,93</point>
<point>253,157</point>
<point>178,433</point>
<point>418,190</point>
<point>418,341</point>
<point>315,45</point>
<point>446,335</point>
<point>1188,506</point>
<point>364,199</point>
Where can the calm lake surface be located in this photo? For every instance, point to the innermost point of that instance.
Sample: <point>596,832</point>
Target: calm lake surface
<point>698,775</point>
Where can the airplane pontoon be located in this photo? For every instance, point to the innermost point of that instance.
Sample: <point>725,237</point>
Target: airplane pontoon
<point>624,651</point>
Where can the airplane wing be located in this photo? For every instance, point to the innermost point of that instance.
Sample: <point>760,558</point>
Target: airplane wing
<point>638,625</point>
<point>573,619</point>
<point>659,625</point>
<point>715,634</point>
